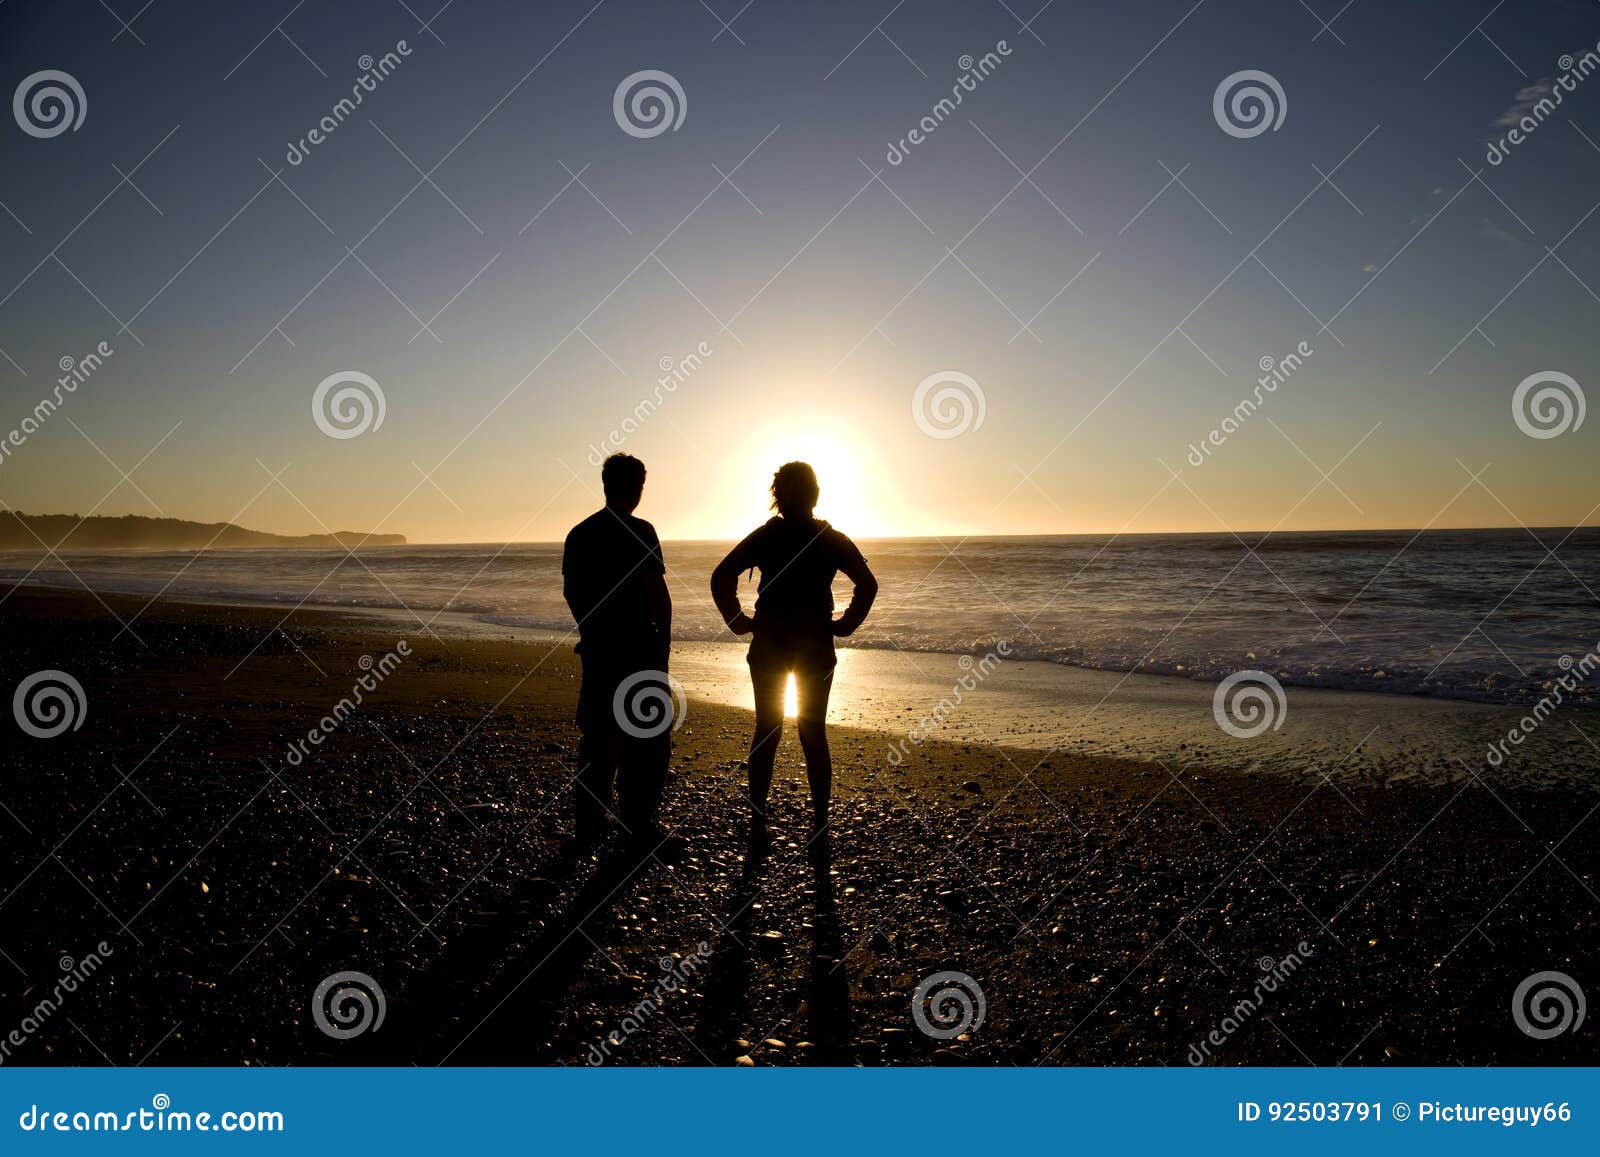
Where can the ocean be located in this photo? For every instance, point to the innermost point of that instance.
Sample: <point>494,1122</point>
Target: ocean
<point>1487,615</point>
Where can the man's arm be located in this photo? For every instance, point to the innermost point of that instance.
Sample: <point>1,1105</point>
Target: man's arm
<point>857,571</point>
<point>659,599</point>
<point>578,593</point>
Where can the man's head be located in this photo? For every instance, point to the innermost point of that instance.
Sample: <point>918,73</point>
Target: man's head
<point>623,479</point>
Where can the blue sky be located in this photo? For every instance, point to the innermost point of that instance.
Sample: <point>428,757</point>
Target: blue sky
<point>560,260</point>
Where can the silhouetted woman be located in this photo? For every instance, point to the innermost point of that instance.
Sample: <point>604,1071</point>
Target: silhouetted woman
<point>797,554</point>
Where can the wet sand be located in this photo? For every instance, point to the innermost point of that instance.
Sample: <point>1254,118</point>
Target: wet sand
<point>991,699</point>
<point>1112,910</point>
<point>1349,737</point>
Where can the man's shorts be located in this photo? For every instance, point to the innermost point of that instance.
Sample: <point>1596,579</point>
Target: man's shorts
<point>602,675</point>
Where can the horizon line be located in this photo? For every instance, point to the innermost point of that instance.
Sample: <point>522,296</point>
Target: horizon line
<point>945,536</point>
<point>1052,534</point>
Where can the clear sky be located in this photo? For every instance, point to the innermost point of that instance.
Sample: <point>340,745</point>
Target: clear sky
<point>559,260</point>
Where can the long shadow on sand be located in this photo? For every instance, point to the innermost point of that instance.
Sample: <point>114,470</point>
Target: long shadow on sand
<point>727,992</point>
<point>446,999</point>
<point>825,1007</point>
<point>460,1010</point>
<point>512,1023</point>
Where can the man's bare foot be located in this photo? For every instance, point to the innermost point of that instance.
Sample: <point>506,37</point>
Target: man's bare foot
<point>588,838</point>
<point>652,840</point>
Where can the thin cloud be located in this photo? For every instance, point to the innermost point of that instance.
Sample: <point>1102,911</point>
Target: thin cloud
<point>1527,96</point>
<point>1488,229</point>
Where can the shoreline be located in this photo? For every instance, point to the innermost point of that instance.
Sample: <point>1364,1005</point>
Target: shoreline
<point>488,621</point>
<point>497,623</point>
<point>1112,911</point>
<point>1034,705</point>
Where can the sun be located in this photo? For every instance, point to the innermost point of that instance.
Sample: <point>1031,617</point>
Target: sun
<point>852,498</point>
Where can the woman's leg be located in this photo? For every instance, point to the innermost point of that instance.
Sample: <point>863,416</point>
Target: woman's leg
<point>811,695</point>
<point>769,683</point>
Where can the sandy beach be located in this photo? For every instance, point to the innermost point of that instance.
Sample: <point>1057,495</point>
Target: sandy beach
<point>1115,899</point>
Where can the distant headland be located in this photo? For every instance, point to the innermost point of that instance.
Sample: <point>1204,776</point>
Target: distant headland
<point>19,531</point>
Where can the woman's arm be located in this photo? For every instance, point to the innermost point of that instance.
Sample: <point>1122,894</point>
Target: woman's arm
<point>725,590</point>
<point>866,589</point>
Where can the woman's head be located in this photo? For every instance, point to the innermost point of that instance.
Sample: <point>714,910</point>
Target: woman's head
<point>794,490</point>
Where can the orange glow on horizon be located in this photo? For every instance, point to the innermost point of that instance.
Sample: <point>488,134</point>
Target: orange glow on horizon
<point>856,496</point>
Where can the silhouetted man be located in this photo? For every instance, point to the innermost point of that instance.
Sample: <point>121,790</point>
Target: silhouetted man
<point>613,581</point>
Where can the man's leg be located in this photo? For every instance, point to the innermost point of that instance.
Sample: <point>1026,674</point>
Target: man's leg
<point>597,765</point>
<point>597,753</point>
<point>642,776</point>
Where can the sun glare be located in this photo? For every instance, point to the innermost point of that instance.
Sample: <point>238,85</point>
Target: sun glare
<point>852,498</point>
<point>791,698</point>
